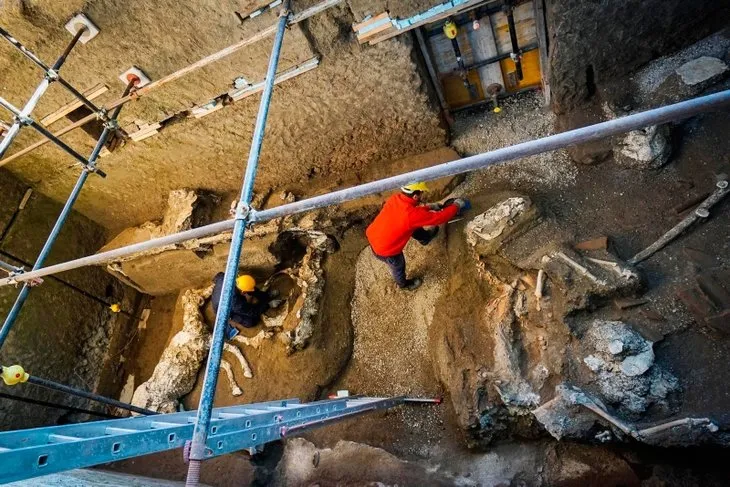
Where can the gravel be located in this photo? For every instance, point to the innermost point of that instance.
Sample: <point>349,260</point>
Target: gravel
<point>522,118</point>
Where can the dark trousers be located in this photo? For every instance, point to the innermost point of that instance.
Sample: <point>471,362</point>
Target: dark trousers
<point>397,263</point>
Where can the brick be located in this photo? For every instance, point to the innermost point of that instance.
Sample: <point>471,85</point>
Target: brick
<point>599,243</point>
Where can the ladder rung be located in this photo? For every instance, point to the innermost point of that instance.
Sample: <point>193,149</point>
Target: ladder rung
<point>62,438</point>
<point>113,430</point>
<point>164,424</point>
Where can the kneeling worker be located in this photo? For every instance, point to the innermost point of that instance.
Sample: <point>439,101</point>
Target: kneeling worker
<point>247,303</point>
<point>402,217</point>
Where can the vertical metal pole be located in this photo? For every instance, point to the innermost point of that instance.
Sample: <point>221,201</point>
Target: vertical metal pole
<point>516,54</point>
<point>65,212</point>
<point>202,423</point>
<point>30,106</point>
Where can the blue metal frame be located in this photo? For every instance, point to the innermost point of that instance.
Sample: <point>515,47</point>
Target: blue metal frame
<point>34,452</point>
<point>202,425</point>
<point>109,127</point>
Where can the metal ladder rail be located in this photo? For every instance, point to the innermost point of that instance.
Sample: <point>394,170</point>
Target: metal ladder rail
<point>40,451</point>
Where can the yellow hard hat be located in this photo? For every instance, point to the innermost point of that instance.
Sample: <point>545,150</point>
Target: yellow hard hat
<point>14,375</point>
<point>450,29</point>
<point>116,308</point>
<point>413,187</point>
<point>245,283</point>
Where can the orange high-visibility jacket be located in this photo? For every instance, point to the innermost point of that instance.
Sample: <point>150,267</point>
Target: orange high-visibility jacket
<point>401,215</point>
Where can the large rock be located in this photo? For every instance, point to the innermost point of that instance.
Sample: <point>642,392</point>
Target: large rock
<point>621,364</point>
<point>489,230</point>
<point>701,72</point>
<point>565,418</point>
<point>168,269</point>
<point>647,148</point>
<point>349,463</point>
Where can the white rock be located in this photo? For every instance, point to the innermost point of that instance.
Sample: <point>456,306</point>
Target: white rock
<point>701,70</point>
<point>647,148</point>
<point>594,363</point>
<point>491,224</point>
<point>638,364</point>
<point>616,347</point>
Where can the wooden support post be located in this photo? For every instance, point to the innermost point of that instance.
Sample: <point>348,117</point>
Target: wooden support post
<point>432,72</point>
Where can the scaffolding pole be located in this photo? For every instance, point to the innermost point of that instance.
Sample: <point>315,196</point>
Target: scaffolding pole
<point>26,120</point>
<point>51,72</point>
<point>9,268</point>
<point>202,422</point>
<point>33,101</point>
<point>109,127</point>
<point>597,131</point>
<point>293,19</point>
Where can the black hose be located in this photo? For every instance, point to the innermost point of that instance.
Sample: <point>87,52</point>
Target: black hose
<point>54,405</point>
<point>516,54</point>
<point>48,384</point>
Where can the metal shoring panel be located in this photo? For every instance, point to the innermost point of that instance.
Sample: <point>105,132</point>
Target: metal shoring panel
<point>109,127</point>
<point>202,423</point>
<point>581,135</point>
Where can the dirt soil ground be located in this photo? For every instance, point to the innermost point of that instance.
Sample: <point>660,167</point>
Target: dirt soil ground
<point>323,123</point>
<point>389,352</point>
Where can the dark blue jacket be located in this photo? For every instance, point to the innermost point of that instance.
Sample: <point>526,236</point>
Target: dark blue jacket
<point>243,312</point>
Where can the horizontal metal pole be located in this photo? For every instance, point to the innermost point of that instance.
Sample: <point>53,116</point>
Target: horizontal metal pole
<point>597,131</point>
<point>294,19</point>
<point>54,405</point>
<point>26,120</point>
<point>9,267</point>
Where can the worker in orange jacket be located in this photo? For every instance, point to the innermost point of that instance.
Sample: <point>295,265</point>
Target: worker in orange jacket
<point>402,217</point>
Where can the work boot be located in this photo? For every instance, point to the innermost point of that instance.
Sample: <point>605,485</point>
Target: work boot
<point>413,284</point>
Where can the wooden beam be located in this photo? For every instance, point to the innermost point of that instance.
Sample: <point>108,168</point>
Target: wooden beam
<point>371,20</point>
<point>431,69</point>
<point>91,93</point>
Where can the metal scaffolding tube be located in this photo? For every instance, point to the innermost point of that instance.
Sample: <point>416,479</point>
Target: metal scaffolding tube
<point>65,212</point>
<point>293,19</point>
<point>25,120</point>
<point>51,72</point>
<point>597,131</point>
<point>55,386</point>
<point>9,268</point>
<point>202,422</point>
<point>33,101</point>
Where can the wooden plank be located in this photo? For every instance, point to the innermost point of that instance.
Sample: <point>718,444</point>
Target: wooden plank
<point>372,20</point>
<point>91,93</point>
<point>362,39</point>
<point>431,70</point>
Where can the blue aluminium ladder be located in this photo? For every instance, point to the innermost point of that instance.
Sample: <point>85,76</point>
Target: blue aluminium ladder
<point>35,452</point>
